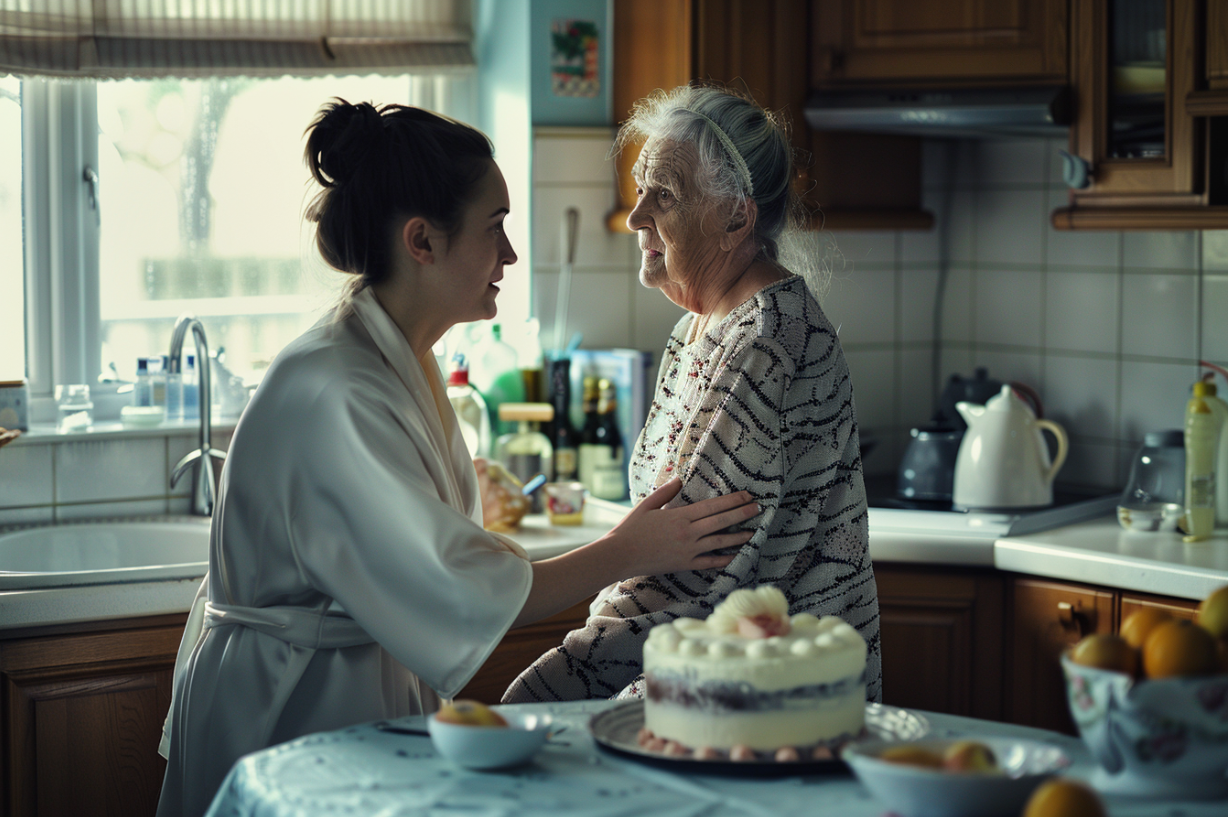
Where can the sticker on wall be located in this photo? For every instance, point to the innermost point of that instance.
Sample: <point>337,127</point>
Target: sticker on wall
<point>573,58</point>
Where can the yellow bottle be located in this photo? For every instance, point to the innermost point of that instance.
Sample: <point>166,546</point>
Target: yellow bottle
<point>1201,441</point>
<point>1220,409</point>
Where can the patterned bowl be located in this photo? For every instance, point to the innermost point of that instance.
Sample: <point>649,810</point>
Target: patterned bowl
<point>1163,738</point>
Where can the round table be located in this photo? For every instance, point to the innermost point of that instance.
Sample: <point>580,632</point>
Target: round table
<point>365,771</point>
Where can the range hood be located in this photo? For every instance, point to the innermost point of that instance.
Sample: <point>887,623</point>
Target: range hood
<point>953,112</point>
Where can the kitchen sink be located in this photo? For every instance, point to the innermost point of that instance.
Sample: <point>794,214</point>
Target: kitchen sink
<point>108,551</point>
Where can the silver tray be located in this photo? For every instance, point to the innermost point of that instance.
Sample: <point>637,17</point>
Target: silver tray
<point>615,731</point>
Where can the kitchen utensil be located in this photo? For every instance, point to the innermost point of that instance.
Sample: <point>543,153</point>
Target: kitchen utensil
<point>1003,460</point>
<point>927,469</point>
<point>915,791</point>
<point>1154,497</point>
<point>615,731</point>
<point>567,250</point>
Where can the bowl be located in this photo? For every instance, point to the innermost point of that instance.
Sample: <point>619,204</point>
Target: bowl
<point>1150,517</point>
<point>491,747</point>
<point>916,791</point>
<point>1157,738</point>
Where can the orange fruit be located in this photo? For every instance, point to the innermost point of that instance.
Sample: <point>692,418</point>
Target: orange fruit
<point>1179,648</point>
<point>912,756</point>
<point>1106,651</point>
<point>1212,614</point>
<point>1061,797</point>
<point>1139,624</point>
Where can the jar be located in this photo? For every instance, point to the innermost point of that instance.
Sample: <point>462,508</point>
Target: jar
<point>14,405</point>
<point>1154,497</point>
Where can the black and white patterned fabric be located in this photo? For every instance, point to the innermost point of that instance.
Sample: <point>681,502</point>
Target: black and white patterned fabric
<point>761,402</point>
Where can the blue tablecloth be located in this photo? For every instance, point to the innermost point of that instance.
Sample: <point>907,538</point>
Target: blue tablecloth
<point>363,771</point>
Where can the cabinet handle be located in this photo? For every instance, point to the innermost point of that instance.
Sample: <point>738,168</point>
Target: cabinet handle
<point>1073,618</point>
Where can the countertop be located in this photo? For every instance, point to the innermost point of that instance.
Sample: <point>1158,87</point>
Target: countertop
<point>1095,552</point>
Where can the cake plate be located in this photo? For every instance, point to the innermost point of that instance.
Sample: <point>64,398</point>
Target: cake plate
<point>615,731</point>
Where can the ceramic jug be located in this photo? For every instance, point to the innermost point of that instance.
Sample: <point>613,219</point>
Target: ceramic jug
<point>1003,460</point>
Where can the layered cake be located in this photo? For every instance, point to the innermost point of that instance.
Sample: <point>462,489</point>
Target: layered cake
<point>753,679</point>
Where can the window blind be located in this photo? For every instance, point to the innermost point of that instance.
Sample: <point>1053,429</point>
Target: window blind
<point>107,39</point>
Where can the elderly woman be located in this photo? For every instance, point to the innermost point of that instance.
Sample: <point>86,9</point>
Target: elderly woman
<point>753,392</point>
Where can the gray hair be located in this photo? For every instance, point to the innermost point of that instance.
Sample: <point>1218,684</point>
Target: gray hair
<point>743,153</point>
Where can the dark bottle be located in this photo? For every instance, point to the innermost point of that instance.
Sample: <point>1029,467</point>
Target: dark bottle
<point>609,480</point>
<point>562,434</point>
<point>588,435</point>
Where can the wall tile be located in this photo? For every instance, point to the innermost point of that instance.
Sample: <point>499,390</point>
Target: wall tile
<point>92,470</point>
<point>1080,394</point>
<point>874,379</point>
<point>27,516</point>
<point>596,247</point>
<point>100,510</point>
<point>1010,226</point>
<point>1091,465</point>
<point>1157,315</point>
<point>918,288</point>
<point>1214,250</point>
<point>25,475</point>
<point>1008,307</point>
<point>1053,148</point>
<point>1079,248</point>
<point>1022,366</point>
<point>1153,396</point>
<point>956,359</point>
<point>957,306</point>
<point>1214,305</point>
<point>917,398</point>
<point>861,305</point>
<point>1012,161</point>
<point>961,238</point>
<point>1081,311</point>
<point>884,458</point>
<point>1168,250</point>
<point>599,306</point>
<point>865,250</point>
<point>574,155</point>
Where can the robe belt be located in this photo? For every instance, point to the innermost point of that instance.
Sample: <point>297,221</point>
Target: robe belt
<point>305,629</point>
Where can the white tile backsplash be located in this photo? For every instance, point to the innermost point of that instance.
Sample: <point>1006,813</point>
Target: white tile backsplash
<point>1008,307</point>
<point>1012,161</point>
<point>1082,311</point>
<point>1010,226</point>
<point>1078,248</point>
<point>1170,250</point>
<point>596,246</point>
<point>861,304</point>
<point>918,288</point>
<point>874,387</point>
<point>98,510</point>
<point>573,156</point>
<point>26,475</point>
<point>1159,315</point>
<point>599,305</point>
<point>1080,394</point>
<point>1215,320</point>
<point>95,470</point>
<point>1153,396</point>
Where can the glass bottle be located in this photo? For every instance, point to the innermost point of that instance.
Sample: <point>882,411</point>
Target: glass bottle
<point>527,452</point>
<point>142,392</point>
<point>494,371</point>
<point>587,453</point>
<point>609,473</point>
<point>470,408</point>
<point>562,434</point>
<point>191,390</point>
<point>1201,437</point>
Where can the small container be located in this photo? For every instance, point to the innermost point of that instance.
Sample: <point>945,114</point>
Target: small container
<point>526,452</point>
<point>142,392</point>
<point>564,502</point>
<point>1154,497</point>
<point>191,390</point>
<point>76,409</point>
<point>14,405</point>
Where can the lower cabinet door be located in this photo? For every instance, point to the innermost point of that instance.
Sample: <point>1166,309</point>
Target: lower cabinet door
<point>1048,618</point>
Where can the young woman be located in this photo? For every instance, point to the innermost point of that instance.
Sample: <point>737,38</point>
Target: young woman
<point>350,578</point>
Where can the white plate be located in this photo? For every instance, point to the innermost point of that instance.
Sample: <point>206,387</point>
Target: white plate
<point>615,731</point>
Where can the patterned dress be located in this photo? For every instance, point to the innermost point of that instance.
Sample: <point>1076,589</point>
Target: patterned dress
<point>761,402</point>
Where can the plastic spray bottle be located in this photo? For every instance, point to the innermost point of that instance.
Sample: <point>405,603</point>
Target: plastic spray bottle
<point>1202,427</point>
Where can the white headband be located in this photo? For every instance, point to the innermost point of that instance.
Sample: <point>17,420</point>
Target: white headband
<point>738,161</point>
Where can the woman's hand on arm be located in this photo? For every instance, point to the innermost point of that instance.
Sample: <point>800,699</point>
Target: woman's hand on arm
<point>649,541</point>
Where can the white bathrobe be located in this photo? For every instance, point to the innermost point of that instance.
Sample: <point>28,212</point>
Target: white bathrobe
<point>349,578</point>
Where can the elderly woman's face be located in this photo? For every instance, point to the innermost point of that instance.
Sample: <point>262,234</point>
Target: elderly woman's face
<point>679,238</point>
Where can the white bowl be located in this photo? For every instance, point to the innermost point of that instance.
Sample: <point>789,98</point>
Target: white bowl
<point>914,791</point>
<point>491,747</point>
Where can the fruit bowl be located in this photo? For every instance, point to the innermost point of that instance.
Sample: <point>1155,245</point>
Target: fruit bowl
<point>1161,737</point>
<point>487,747</point>
<point>917,791</point>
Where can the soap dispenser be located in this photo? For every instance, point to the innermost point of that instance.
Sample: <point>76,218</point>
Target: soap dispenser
<point>1202,431</point>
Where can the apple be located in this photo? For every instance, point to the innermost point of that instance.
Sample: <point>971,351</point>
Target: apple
<point>911,756</point>
<point>469,713</point>
<point>969,756</point>
<point>1213,613</point>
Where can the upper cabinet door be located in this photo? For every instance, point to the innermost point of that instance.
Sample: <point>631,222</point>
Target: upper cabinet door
<point>919,41</point>
<point>1134,64</point>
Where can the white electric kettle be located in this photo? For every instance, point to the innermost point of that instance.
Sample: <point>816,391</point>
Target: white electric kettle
<point>1003,460</point>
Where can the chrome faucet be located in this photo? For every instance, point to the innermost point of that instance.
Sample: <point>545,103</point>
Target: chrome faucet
<point>202,457</point>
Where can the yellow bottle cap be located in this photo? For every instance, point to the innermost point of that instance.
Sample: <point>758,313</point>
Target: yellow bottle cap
<point>1204,388</point>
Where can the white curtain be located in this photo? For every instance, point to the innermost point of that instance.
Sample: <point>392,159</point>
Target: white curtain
<point>187,38</point>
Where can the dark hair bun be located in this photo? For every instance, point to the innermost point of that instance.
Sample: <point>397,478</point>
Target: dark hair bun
<point>343,137</point>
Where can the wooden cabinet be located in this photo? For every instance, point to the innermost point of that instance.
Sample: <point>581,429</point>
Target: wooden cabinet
<point>82,717</point>
<point>1131,601</point>
<point>520,648</point>
<point>1047,618</point>
<point>941,638</point>
<point>1143,124</point>
<point>849,181</point>
<point>969,42</point>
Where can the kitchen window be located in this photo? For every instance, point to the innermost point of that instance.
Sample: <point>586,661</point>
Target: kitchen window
<point>151,165</point>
